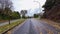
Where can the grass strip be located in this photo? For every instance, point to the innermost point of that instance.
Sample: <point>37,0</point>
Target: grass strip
<point>7,26</point>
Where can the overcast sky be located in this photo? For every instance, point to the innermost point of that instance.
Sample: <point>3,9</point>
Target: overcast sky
<point>29,5</point>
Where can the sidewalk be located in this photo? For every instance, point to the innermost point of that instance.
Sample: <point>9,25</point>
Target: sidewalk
<point>7,22</point>
<point>2,21</point>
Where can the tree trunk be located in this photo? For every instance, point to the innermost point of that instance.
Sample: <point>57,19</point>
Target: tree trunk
<point>9,21</point>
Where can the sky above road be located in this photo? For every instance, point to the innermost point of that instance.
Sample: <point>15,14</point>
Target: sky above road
<point>30,5</point>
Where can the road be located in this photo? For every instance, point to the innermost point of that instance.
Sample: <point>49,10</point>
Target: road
<point>34,26</point>
<point>1,24</point>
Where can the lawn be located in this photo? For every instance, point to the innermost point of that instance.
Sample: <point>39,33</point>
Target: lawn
<point>6,27</point>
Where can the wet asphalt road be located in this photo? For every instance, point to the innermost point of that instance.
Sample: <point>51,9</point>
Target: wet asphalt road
<point>34,26</point>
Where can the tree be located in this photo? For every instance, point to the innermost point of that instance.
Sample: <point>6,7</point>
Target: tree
<point>23,13</point>
<point>5,4</point>
<point>8,6</point>
<point>15,15</point>
<point>5,9</point>
<point>36,15</point>
<point>49,4</point>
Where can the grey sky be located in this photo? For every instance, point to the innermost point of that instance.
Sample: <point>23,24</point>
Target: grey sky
<point>29,5</point>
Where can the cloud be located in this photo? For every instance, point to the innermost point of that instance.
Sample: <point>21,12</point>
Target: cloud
<point>27,5</point>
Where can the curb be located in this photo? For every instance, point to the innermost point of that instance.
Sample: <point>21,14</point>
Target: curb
<point>9,29</point>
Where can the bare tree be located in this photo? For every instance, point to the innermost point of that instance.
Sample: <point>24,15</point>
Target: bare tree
<point>5,4</point>
<point>6,7</point>
<point>23,12</point>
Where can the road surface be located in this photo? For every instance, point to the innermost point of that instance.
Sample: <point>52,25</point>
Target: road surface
<point>1,24</point>
<point>34,26</point>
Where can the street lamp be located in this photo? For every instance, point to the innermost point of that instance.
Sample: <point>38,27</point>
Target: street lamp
<point>39,5</point>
